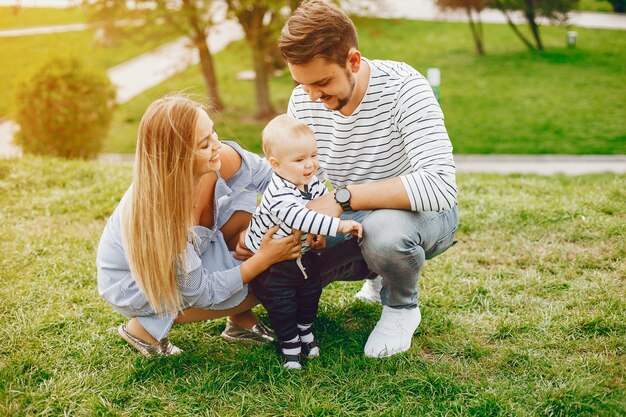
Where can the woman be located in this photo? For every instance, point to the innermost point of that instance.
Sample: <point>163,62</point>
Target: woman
<point>165,254</point>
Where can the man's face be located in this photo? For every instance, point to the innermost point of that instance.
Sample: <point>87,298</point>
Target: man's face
<point>326,81</point>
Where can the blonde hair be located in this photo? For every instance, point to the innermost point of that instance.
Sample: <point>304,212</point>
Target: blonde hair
<point>159,212</point>
<point>281,130</point>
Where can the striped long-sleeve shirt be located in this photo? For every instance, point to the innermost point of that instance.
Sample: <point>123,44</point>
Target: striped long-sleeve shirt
<point>396,131</point>
<point>283,204</point>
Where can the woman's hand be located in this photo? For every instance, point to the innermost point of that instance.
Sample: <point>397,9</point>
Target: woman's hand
<point>270,252</point>
<point>280,249</point>
<point>241,250</point>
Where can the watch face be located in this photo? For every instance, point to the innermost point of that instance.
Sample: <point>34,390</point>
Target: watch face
<point>342,195</point>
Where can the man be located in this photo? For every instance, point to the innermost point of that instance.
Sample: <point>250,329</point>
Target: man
<point>383,145</point>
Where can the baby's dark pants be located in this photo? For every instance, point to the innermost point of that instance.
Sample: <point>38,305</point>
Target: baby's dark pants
<point>290,298</point>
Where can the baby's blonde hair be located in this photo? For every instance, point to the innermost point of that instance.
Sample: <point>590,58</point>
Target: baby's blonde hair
<point>281,129</point>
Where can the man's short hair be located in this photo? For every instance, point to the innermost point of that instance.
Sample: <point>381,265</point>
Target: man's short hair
<point>317,29</point>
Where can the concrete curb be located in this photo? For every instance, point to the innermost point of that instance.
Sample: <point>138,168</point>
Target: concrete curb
<point>500,164</point>
<point>541,164</point>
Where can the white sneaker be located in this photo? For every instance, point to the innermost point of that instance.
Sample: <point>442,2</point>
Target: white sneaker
<point>370,291</point>
<point>393,332</point>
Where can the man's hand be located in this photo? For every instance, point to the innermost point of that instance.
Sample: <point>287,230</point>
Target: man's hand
<point>326,204</point>
<point>241,251</point>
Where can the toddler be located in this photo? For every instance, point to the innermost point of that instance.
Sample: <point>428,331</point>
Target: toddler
<point>290,290</point>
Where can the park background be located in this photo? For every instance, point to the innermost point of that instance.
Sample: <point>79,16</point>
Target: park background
<point>525,316</point>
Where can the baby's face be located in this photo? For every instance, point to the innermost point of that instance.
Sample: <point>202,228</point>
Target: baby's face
<point>296,159</point>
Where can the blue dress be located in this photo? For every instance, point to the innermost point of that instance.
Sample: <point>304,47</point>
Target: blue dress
<point>213,280</point>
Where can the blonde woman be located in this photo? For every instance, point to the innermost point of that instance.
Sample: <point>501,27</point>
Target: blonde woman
<point>167,254</point>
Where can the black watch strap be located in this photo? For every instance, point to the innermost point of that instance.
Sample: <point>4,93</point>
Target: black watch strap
<point>344,198</point>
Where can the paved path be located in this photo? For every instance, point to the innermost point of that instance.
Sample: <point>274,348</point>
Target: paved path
<point>42,30</point>
<point>541,164</point>
<point>7,148</point>
<point>133,77</point>
<point>503,164</point>
<point>56,4</point>
<point>427,10</point>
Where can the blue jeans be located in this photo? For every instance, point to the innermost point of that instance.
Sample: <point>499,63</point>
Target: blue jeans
<point>395,245</point>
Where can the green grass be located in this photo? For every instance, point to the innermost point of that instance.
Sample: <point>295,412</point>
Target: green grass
<point>513,101</point>
<point>524,317</point>
<point>23,53</point>
<point>594,6</point>
<point>569,101</point>
<point>14,17</point>
<point>234,123</point>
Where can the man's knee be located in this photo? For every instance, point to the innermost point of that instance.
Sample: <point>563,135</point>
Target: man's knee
<point>384,231</point>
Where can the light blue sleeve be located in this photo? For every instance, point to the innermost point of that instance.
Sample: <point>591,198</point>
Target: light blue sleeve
<point>253,175</point>
<point>239,192</point>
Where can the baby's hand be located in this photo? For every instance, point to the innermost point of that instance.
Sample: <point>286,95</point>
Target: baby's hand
<point>316,241</point>
<point>350,226</point>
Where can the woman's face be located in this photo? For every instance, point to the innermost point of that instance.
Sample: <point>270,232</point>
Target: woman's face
<point>208,146</point>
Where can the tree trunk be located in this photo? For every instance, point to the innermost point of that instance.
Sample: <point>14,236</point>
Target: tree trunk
<point>208,71</point>
<point>531,17</point>
<point>264,108</point>
<point>519,34</point>
<point>199,35</point>
<point>252,21</point>
<point>476,32</point>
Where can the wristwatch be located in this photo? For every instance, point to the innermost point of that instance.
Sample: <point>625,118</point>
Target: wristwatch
<point>342,197</point>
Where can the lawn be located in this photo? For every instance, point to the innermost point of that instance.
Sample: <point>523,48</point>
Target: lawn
<point>525,316</point>
<point>19,17</point>
<point>569,101</point>
<point>20,54</point>
<point>594,6</point>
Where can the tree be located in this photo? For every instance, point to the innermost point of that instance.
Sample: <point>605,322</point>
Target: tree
<point>472,9</point>
<point>619,6</point>
<point>259,20</point>
<point>63,108</point>
<point>262,22</point>
<point>554,10</point>
<point>191,18</point>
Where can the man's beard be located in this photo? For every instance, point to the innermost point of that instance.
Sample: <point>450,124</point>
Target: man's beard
<point>343,101</point>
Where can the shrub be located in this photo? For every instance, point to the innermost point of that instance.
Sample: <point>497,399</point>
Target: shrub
<point>619,6</point>
<point>63,108</point>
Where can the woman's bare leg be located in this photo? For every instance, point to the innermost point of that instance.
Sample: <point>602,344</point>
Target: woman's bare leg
<point>137,330</point>
<point>241,312</point>
<point>241,315</point>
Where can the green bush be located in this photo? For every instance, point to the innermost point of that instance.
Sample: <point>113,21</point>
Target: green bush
<point>63,108</point>
<point>619,6</point>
